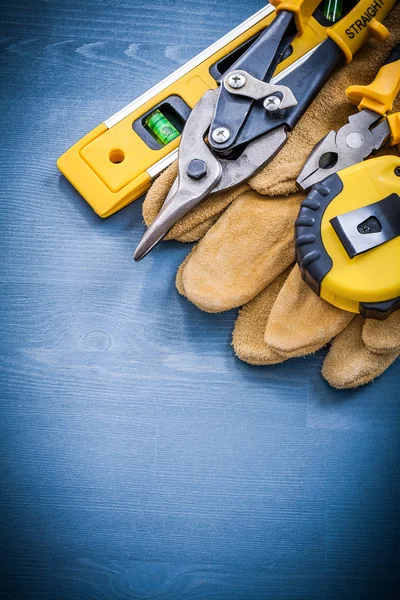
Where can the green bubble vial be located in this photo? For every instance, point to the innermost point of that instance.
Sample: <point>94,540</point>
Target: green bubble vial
<point>161,128</point>
<point>332,10</point>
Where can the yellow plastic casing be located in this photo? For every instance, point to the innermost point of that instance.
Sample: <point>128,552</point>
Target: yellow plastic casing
<point>302,9</point>
<point>373,276</point>
<point>362,22</point>
<point>394,124</point>
<point>379,95</point>
<point>109,186</point>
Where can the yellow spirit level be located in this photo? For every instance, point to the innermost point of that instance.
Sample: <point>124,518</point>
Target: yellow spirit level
<point>116,162</point>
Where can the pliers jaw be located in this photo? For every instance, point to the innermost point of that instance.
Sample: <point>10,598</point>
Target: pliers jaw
<point>354,142</point>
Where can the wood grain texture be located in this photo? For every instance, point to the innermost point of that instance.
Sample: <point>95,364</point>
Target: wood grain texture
<point>139,459</point>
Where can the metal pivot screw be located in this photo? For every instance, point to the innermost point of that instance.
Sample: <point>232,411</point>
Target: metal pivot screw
<point>397,171</point>
<point>196,169</point>
<point>272,103</point>
<point>354,140</point>
<point>236,80</point>
<point>364,229</point>
<point>221,135</point>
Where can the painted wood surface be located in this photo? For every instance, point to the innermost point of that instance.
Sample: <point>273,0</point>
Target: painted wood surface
<point>139,458</point>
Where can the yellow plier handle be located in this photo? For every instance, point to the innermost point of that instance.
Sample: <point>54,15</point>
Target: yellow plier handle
<point>379,95</point>
<point>302,9</point>
<point>394,124</point>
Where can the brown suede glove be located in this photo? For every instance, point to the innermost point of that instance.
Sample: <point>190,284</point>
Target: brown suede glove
<point>287,319</point>
<point>247,250</point>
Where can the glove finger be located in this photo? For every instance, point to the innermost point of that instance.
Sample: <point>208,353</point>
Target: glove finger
<point>249,246</point>
<point>278,177</point>
<point>197,222</point>
<point>301,322</point>
<point>198,231</point>
<point>179,274</point>
<point>350,363</point>
<point>158,192</point>
<point>382,336</point>
<point>248,334</point>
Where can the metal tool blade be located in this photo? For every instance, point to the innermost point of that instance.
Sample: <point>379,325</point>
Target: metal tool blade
<point>255,156</point>
<point>186,191</point>
<point>222,174</point>
<point>354,142</point>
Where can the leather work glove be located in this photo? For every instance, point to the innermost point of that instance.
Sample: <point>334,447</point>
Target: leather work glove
<point>288,320</point>
<point>245,256</point>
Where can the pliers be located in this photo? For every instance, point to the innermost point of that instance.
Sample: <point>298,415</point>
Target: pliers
<point>366,131</point>
<point>236,129</point>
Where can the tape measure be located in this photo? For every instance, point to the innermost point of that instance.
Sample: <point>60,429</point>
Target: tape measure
<point>116,162</point>
<point>347,238</point>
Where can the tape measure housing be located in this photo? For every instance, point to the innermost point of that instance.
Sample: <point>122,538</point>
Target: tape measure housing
<point>369,281</point>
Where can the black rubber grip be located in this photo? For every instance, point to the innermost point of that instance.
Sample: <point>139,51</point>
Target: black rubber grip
<point>379,310</point>
<point>305,82</point>
<point>312,258</point>
<point>394,55</point>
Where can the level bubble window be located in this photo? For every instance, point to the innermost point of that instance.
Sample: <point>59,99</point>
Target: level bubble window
<point>162,124</point>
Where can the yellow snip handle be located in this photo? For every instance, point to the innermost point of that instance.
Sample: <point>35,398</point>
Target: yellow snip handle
<point>381,93</point>
<point>302,9</point>
<point>363,21</point>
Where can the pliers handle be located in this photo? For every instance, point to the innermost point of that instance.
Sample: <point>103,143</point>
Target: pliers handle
<point>379,95</point>
<point>394,125</point>
<point>365,132</point>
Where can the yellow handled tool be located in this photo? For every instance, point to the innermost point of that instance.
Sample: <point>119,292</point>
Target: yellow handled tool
<point>235,131</point>
<point>381,93</point>
<point>348,229</point>
<point>351,32</point>
<point>348,238</point>
<point>116,162</point>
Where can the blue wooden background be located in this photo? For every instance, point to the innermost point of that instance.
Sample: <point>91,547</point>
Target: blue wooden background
<point>139,458</point>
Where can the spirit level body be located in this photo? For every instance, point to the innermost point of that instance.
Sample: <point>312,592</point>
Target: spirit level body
<point>116,162</point>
